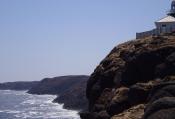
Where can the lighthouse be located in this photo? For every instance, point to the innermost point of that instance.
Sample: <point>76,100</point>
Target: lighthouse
<point>164,25</point>
<point>172,11</point>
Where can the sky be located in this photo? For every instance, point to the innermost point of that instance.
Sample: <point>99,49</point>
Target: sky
<point>49,38</point>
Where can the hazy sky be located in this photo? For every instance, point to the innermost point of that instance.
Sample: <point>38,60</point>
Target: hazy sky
<point>48,38</point>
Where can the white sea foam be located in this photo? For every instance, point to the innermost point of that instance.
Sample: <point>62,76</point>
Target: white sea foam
<point>20,93</point>
<point>39,106</point>
<point>11,111</point>
<point>13,92</point>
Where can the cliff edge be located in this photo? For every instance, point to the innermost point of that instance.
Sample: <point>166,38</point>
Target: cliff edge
<point>135,81</point>
<point>71,90</point>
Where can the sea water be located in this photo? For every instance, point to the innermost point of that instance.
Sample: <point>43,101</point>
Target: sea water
<point>20,105</point>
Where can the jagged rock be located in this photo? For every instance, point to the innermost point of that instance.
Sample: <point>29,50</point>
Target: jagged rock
<point>161,105</point>
<point>88,115</point>
<point>142,67</point>
<point>98,107</point>
<point>166,89</point>
<point>103,115</point>
<point>169,78</point>
<point>139,92</point>
<point>104,98</point>
<point>135,112</point>
<point>119,101</point>
<point>74,97</point>
<point>167,67</point>
<point>163,114</point>
<point>100,115</point>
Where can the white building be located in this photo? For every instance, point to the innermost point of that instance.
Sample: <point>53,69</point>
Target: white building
<point>164,25</point>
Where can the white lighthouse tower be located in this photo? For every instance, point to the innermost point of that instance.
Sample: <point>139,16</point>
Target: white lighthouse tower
<point>164,25</point>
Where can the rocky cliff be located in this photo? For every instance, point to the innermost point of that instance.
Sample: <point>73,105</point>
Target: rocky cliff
<point>20,85</point>
<point>135,81</point>
<point>74,97</point>
<point>71,90</point>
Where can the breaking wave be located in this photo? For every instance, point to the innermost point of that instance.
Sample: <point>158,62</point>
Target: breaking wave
<point>20,105</point>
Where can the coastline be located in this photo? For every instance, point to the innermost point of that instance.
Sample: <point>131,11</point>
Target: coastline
<point>36,104</point>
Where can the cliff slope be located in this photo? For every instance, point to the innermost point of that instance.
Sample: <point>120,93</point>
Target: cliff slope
<point>71,90</point>
<point>136,80</point>
<point>20,85</point>
<point>74,97</point>
<point>56,85</point>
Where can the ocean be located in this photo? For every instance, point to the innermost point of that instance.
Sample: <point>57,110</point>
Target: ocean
<point>20,105</point>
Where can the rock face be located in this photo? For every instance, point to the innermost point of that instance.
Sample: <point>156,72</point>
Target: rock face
<point>136,112</point>
<point>74,97</point>
<point>71,90</point>
<point>136,80</point>
<point>20,85</point>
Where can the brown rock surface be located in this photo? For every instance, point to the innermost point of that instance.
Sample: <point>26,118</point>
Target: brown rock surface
<point>135,112</point>
<point>141,66</point>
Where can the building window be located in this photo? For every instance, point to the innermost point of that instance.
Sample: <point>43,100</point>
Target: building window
<point>163,25</point>
<point>173,7</point>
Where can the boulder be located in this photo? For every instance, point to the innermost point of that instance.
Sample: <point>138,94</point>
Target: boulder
<point>139,92</point>
<point>119,102</point>
<point>158,106</point>
<point>163,114</point>
<point>135,112</point>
